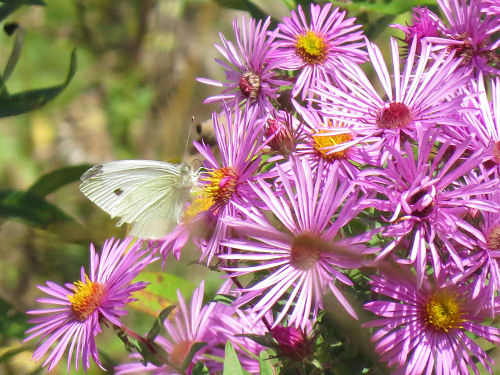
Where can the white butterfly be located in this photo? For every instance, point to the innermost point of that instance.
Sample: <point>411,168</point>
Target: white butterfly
<point>149,195</point>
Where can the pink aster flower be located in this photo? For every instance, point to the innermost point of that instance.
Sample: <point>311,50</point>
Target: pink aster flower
<point>82,307</point>
<point>317,48</point>
<point>190,325</point>
<point>424,328</point>
<point>222,183</point>
<point>335,142</point>
<point>305,257</point>
<point>419,96</point>
<point>427,196</point>
<point>469,33</point>
<point>249,73</point>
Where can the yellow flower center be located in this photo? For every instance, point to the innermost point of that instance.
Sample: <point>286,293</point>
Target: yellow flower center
<point>323,144</point>
<point>87,298</point>
<point>180,351</point>
<point>222,185</point>
<point>311,48</point>
<point>443,312</point>
<point>201,202</point>
<point>306,250</point>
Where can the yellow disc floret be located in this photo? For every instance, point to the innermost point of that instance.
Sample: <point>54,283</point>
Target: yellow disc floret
<point>87,298</point>
<point>311,48</point>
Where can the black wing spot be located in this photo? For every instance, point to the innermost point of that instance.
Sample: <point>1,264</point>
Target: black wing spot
<point>118,191</point>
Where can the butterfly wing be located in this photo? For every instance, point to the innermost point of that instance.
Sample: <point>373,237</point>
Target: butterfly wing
<point>148,195</point>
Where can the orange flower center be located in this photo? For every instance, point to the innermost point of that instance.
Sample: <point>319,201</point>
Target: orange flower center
<point>324,143</point>
<point>87,298</point>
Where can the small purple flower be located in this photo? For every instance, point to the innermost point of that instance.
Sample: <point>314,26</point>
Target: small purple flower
<point>249,72</point>
<point>319,48</point>
<point>335,142</point>
<point>82,307</point>
<point>425,325</point>
<point>307,255</point>
<point>417,97</point>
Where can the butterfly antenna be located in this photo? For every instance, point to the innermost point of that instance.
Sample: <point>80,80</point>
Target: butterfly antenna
<point>188,138</point>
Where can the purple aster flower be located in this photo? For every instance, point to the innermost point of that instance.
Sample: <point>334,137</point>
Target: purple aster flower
<point>221,183</point>
<point>319,48</point>
<point>249,73</point>
<point>335,142</point>
<point>424,23</point>
<point>427,196</point>
<point>308,256</point>
<point>419,96</point>
<point>82,307</point>
<point>190,325</point>
<point>425,326</point>
<point>468,34</point>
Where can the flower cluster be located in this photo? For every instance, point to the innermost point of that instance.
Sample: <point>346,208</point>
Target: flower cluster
<point>322,175</point>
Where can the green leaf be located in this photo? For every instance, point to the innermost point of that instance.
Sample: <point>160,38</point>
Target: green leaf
<point>158,324</point>
<point>265,366</point>
<point>26,101</point>
<point>232,364</point>
<point>161,293</point>
<point>12,322</point>
<point>393,7</point>
<point>200,369</point>
<point>194,349</point>
<point>53,180</point>
<point>14,55</point>
<point>30,208</point>
<point>9,6</point>
<point>245,5</point>
<point>226,299</point>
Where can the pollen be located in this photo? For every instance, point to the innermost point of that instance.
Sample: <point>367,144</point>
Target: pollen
<point>443,312</point>
<point>180,352</point>
<point>311,48</point>
<point>494,238</point>
<point>249,85</point>
<point>222,185</point>
<point>394,116</point>
<point>87,298</point>
<point>323,143</point>
<point>201,203</point>
<point>306,251</point>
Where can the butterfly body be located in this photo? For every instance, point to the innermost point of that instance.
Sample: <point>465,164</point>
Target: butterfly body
<point>149,195</point>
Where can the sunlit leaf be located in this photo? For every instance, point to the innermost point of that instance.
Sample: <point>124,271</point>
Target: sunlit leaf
<point>232,364</point>
<point>161,293</point>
